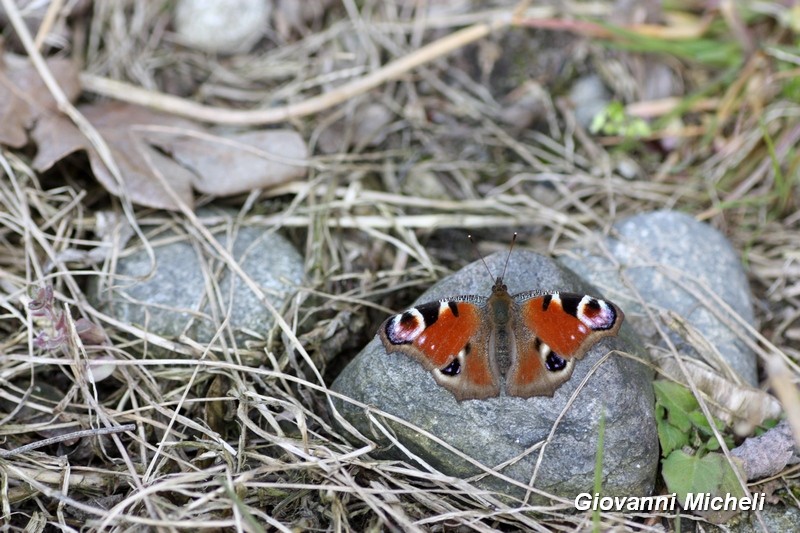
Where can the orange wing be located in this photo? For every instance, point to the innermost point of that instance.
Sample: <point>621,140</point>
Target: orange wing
<point>553,331</point>
<point>450,338</point>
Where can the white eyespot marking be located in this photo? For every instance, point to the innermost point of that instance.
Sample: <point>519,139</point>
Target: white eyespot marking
<point>544,350</point>
<point>405,327</point>
<point>596,314</point>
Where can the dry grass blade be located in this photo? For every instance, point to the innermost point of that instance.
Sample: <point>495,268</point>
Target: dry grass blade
<point>389,72</point>
<point>67,436</point>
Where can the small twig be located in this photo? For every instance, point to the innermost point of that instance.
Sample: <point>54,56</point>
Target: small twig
<point>68,436</point>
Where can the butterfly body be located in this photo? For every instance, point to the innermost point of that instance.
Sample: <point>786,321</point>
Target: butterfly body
<point>525,344</point>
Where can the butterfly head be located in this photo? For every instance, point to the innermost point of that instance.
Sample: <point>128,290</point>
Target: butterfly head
<point>499,286</point>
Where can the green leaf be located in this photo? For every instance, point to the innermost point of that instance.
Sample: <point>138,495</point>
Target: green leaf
<point>700,422</point>
<point>598,122</point>
<point>678,401</point>
<point>687,474</point>
<point>612,120</point>
<point>670,437</point>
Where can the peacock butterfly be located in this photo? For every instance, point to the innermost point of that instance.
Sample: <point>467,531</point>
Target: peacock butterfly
<point>530,339</point>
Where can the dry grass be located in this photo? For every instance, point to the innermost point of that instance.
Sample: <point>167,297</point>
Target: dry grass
<point>243,436</point>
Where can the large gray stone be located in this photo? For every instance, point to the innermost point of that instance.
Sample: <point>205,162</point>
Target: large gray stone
<point>669,257</point>
<point>176,292</point>
<point>501,429</point>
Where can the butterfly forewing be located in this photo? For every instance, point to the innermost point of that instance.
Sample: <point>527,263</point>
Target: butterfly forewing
<point>448,338</point>
<point>555,330</point>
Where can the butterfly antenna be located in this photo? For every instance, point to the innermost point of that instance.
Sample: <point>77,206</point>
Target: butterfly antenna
<point>511,247</point>
<point>479,255</point>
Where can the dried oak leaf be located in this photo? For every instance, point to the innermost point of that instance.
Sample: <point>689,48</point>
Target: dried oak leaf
<point>366,126</point>
<point>123,127</point>
<point>238,162</point>
<point>768,454</point>
<point>152,149</point>
<point>24,98</point>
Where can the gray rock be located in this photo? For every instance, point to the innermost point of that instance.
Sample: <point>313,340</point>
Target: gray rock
<point>176,293</point>
<point>507,429</point>
<point>222,27</point>
<point>776,518</point>
<point>590,97</point>
<point>650,249</point>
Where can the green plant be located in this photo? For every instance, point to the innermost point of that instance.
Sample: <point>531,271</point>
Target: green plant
<point>690,463</point>
<point>613,120</point>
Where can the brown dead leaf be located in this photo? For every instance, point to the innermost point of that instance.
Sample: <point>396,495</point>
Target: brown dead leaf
<point>24,98</point>
<point>240,162</point>
<point>151,148</point>
<point>768,454</point>
<point>366,126</point>
<point>138,160</point>
<point>729,401</point>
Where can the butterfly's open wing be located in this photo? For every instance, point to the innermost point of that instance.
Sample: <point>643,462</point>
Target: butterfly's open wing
<point>554,331</point>
<point>450,339</point>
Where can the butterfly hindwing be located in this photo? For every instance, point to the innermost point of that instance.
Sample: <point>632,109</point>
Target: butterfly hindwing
<point>552,332</point>
<point>450,338</point>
